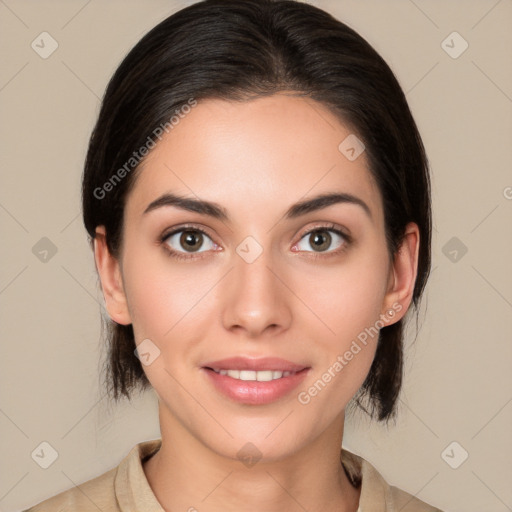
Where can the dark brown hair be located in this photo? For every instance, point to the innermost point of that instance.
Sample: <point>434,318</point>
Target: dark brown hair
<point>238,50</point>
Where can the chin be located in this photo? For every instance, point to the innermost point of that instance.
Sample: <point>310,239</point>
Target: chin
<point>265,444</point>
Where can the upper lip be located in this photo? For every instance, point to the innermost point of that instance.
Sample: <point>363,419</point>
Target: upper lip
<point>255,364</point>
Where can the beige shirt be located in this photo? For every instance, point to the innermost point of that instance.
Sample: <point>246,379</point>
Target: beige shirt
<point>126,489</point>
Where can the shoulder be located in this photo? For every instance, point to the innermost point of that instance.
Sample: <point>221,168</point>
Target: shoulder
<point>97,493</point>
<point>376,494</point>
<point>405,502</point>
<point>122,488</point>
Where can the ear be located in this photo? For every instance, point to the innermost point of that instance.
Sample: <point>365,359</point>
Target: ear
<point>111,279</point>
<point>402,276</point>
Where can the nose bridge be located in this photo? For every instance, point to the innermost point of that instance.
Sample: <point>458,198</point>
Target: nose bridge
<point>256,299</point>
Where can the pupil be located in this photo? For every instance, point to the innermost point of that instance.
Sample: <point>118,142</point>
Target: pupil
<point>321,239</point>
<point>187,238</point>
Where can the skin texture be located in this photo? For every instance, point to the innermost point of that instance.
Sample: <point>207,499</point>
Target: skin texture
<point>255,159</point>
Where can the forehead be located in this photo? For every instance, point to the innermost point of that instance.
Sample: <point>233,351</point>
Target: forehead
<point>271,150</point>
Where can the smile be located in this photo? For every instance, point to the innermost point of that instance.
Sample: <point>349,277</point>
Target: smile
<point>260,376</point>
<point>254,387</point>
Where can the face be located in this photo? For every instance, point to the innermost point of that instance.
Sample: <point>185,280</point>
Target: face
<point>251,275</point>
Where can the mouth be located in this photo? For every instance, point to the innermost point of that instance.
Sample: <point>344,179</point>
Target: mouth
<point>255,381</point>
<point>251,375</point>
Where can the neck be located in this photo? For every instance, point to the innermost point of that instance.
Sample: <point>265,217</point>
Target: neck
<point>187,475</point>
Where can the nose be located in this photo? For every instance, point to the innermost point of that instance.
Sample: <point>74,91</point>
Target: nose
<point>256,300</point>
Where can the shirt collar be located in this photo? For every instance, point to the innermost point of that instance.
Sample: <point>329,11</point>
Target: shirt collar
<point>133,491</point>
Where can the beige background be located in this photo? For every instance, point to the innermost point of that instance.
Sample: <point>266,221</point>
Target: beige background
<point>458,380</point>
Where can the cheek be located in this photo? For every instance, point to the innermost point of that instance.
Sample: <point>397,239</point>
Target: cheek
<point>168,302</point>
<point>161,293</point>
<point>347,301</point>
<point>340,300</point>
<point>346,298</point>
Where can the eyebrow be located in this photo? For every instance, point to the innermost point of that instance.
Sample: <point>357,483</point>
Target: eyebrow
<point>218,212</point>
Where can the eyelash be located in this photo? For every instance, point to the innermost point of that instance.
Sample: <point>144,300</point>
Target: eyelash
<point>315,255</point>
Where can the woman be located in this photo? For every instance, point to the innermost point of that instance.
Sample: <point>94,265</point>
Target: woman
<point>257,198</point>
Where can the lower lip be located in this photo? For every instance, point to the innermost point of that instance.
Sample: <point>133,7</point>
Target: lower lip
<point>255,392</point>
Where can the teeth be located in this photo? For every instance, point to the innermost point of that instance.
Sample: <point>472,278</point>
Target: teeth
<point>265,376</point>
<point>234,374</point>
<point>260,376</point>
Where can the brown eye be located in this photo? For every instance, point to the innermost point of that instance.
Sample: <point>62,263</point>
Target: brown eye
<point>188,241</point>
<point>191,240</point>
<point>322,240</point>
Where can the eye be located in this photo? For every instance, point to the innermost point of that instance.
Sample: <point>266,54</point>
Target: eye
<point>322,239</point>
<point>182,243</point>
<point>187,240</point>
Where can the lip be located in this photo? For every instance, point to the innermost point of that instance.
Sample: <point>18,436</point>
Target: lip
<point>255,392</point>
<point>264,363</point>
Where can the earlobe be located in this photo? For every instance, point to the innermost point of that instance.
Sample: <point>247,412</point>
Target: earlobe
<point>403,274</point>
<point>111,280</point>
